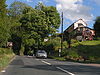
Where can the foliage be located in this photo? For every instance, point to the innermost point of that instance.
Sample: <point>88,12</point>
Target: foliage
<point>26,26</point>
<point>58,58</point>
<point>74,41</point>
<point>16,9</point>
<point>30,26</point>
<point>3,8</point>
<point>97,26</point>
<point>54,44</point>
<point>72,54</point>
<point>5,57</point>
<point>64,52</point>
<point>52,18</point>
<point>86,50</point>
<point>4,24</point>
<point>89,49</point>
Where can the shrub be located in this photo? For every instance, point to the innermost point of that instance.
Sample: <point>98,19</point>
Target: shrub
<point>72,55</point>
<point>53,45</point>
<point>73,41</point>
<point>64,52</point>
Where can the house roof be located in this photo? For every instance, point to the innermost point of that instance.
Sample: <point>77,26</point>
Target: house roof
<point>75,22</point>
<point>89,28</point>
<point>82,20</point>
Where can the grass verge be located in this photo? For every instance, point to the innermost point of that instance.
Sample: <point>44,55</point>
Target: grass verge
<point>58,58</point>
<point>5,57</point>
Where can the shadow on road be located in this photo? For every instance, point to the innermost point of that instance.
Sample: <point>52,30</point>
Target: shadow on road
<point>72,68</point>
<point>41,67</point>
<point>77,69</point>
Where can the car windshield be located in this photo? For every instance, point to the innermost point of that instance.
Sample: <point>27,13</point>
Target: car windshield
<point>41,51</point>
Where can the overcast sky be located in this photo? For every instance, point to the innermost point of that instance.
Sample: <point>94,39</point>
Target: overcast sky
<point>72,9</point>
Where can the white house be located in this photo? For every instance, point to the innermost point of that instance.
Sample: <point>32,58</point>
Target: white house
<point>79,30</point>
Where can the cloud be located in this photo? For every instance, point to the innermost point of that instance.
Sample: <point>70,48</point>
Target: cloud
<point>74,9</point>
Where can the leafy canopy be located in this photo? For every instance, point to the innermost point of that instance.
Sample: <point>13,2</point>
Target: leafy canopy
<point>97,26</point>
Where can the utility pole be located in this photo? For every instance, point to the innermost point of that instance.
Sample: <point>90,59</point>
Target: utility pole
<point>61,34</point>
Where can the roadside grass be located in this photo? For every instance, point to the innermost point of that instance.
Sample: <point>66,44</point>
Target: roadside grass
<point>57,58</point>
<point>93,42</point>
<point>5,57</point>
<point>60,58</point>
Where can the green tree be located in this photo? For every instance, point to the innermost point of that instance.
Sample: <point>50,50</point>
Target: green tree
<point>32,25</point>
<point>35,22</point>
<point>15,12</point>
<point>97,26</point>
<point>4,26</point>
<point>16,9</point>
<point>52,18</point>
<point>53,45</point>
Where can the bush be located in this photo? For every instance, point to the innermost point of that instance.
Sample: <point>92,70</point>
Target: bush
<point>72,55</point>
<point>90,52</point>
<point>64,52</point>
<point>5,51</point>
<point>73,41</point>
<point>53,45</point>
<point>91,58</point>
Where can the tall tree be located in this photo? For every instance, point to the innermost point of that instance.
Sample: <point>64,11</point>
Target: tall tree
<point>15,12</point>
<point>3,8</point>
<point>4,28</point>
<point>97,26</point>
<point>32,25</point>
<point>16,9</point>
<point>41,21</point>
<point>52,18</point>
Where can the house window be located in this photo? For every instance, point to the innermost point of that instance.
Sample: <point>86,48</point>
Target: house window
<point>81,29</point>
<point>80,24</point>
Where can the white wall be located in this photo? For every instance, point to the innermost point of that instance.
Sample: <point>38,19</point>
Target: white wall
<point>79,21</point>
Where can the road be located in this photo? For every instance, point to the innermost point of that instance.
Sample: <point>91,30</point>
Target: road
<point>23,65</point>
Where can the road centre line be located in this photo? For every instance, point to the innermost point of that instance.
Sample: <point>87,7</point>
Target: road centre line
<point>65,71</point>
<point>58,68</point>
<point>36,59</point>
<point>46,62</point>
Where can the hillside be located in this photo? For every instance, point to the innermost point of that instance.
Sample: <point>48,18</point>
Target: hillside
<point>87,51</point>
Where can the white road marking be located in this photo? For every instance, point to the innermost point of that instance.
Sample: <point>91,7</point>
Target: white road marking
<point>36,59</point>
<point>65,71</point>
<point>29,56</point>
<point>46,62</point>
<point>3,71</point>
